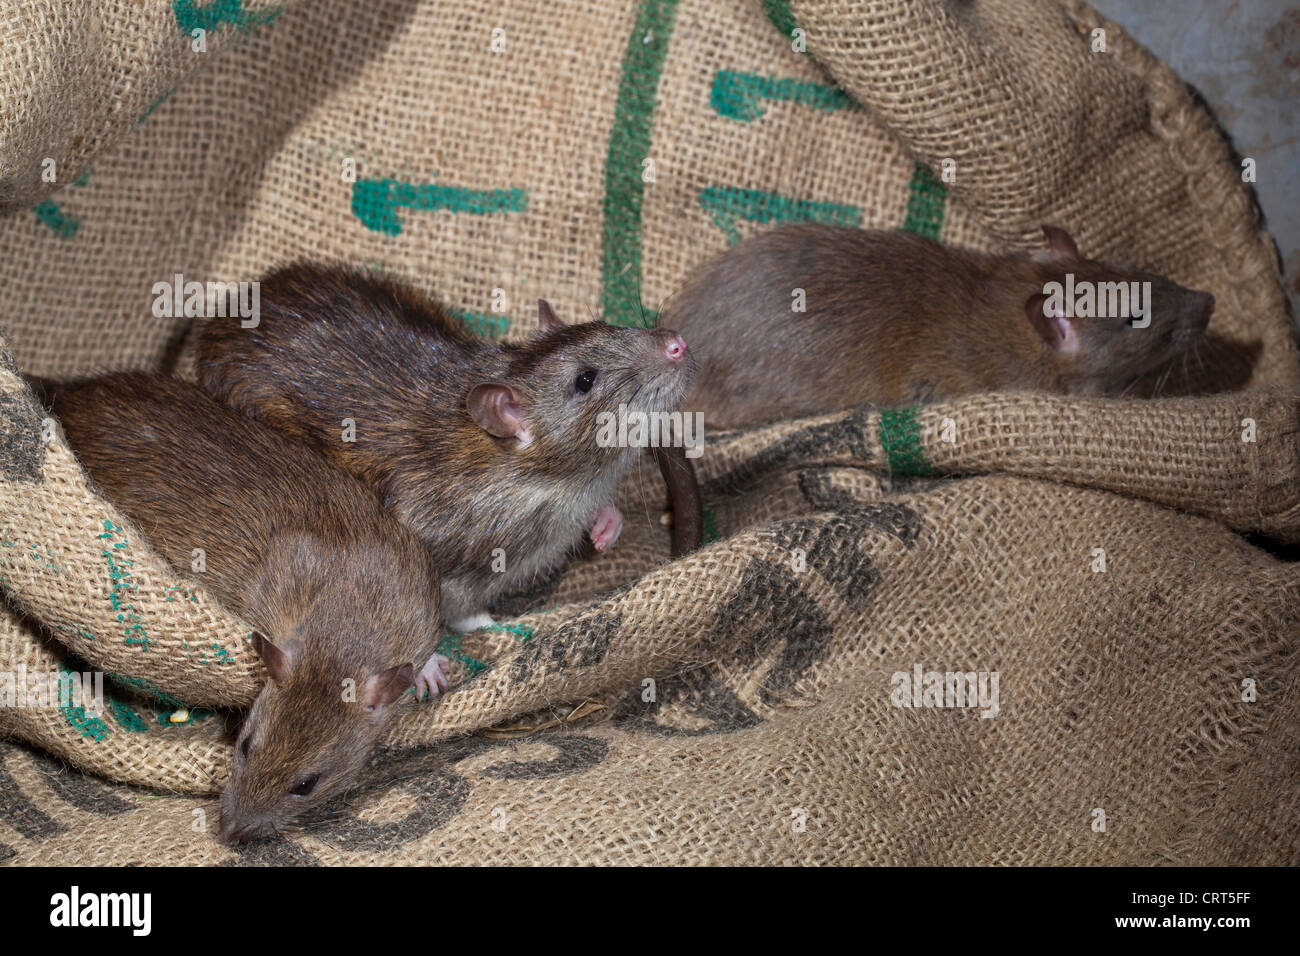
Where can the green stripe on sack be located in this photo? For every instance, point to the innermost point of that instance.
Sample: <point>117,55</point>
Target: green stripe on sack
<point>900,439</point>
<point>629,144</point>
<point>782,17</point>
<point>926,199</point>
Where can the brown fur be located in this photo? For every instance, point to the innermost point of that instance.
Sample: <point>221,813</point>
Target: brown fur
<point>333,344</point>
<point>894,319</point>
<point>298,549</point>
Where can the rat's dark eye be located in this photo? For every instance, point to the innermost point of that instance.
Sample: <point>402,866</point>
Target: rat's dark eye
<point>586,378</point>
<point>243,747</point>
<point>305,786</point>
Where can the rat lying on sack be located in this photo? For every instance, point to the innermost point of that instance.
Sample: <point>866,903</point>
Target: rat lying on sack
<point>344,597</point>
<point>812,318</point>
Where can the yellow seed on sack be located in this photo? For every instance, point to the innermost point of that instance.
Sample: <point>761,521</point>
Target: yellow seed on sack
<point>179,716</point>
<point>666,519</point>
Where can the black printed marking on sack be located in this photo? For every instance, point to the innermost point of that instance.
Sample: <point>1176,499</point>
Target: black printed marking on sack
<point>22,453</point>
<point>582,642</point>
<point>577,753</point>
<point>81,790</point>
<point>848,436</point>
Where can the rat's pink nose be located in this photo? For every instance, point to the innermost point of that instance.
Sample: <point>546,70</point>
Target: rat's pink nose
<point>676,349</point>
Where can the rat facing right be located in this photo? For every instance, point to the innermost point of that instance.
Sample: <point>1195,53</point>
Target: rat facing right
<point>811,318</point>
<point>489,451</point>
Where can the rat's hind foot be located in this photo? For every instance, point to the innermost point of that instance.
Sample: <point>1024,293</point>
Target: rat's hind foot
<point>432,679</point>
<point>606,526</point>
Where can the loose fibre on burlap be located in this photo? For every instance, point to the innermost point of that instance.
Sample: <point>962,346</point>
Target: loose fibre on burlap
<point>737,705</point>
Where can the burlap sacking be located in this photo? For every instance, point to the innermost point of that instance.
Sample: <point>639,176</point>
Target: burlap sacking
<point>741,704</point>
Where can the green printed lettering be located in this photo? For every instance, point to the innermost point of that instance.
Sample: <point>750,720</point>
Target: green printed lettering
<point>119,573</point>
<point>63,225</point>
<point>191,16</point>
<point>125,716</point>
<point>926,198</point>
<point>77,717</point>
<point>482,323</point>
<point>739,96</point>
<point>726,205</point>
<point>376,201</point>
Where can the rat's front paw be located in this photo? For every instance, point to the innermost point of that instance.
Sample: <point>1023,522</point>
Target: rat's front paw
<point>606,526</point>
<point>432,679</point>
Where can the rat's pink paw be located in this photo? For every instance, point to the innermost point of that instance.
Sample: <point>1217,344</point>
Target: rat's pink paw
<point>606,527</point>
<point>432,679</point>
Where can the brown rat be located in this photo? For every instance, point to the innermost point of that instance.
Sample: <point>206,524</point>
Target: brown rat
<point>337,590</point>
<point>488,451</point>
<point>892,318</point>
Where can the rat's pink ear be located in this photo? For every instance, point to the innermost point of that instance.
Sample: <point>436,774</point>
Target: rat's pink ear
<point>1060,244</point>
<point>496,409</point>
<point>1051,324</point>
<point>279,662</point>
<point>383,688</point>
<point>547,320</point>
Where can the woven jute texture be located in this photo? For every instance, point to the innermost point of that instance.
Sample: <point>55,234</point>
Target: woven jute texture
<point>743,704</point>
